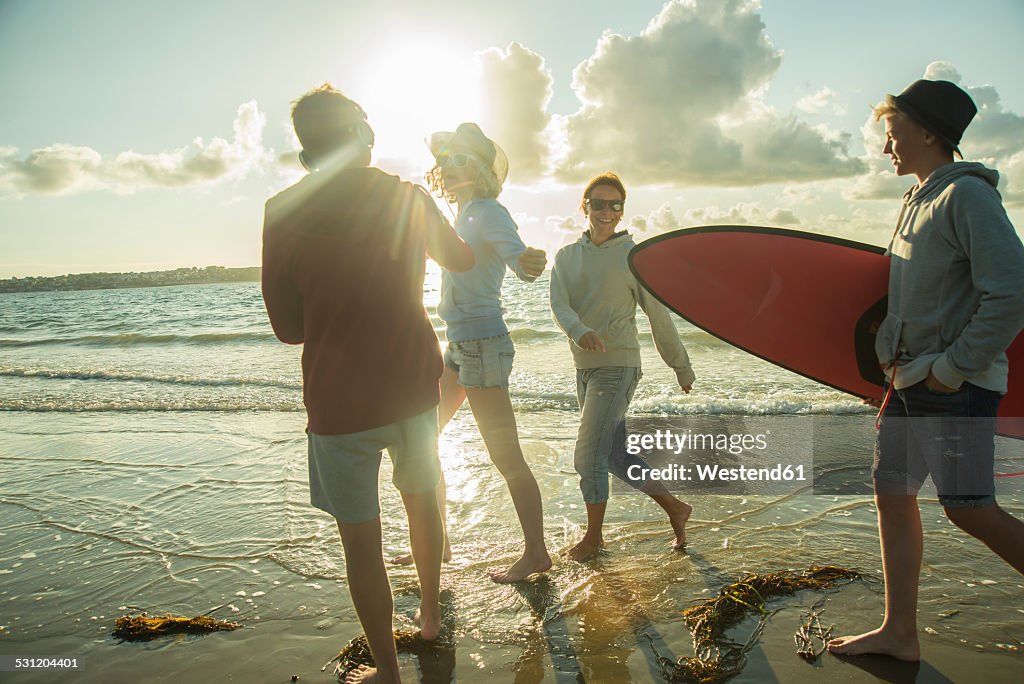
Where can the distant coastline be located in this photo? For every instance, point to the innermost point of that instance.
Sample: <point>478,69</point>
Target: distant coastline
<point>113,281</point>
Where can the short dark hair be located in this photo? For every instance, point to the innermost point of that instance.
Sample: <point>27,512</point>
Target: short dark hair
<point>324,118</point>
<point>607,178</point>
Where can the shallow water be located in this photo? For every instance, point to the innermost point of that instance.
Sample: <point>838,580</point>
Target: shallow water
<point>166,471</point>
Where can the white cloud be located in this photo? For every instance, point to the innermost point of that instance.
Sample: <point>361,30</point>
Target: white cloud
<point>515,88</point>
<point>819,101</point>
<point>995,137</point>
<point>523,219</point>
<point>878,184</point>
<point>942,71</point>
<point>874,226</point>
<point>68,169</point>
<point>563,224</point>
<point>1012,180</point>
<point>56,169</point>
<point>663,219</point>
<point>681,103</point>
<point>744,213</point>
<point>800,194</point>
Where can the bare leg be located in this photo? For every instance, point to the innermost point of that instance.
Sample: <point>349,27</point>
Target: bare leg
<point>994,527</point>
<point>371,595</point>
<point>593,538</point>
<point>492,409</point>
<point>425,534</point>
<point>902,539</point>
<point>452,397</point>
<point>678,513</point>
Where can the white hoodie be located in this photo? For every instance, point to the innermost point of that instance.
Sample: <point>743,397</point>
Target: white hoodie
<point>593,290</point>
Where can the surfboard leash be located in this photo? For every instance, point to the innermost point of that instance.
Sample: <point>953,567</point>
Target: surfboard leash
<point>885,399</point>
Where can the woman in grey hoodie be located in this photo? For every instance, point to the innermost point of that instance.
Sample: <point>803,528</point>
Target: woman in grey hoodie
<point>593,300</point>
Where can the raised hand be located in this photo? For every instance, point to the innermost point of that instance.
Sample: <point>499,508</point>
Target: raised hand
<point>533,261</point>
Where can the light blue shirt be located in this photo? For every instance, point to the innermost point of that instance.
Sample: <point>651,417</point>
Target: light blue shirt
<point>471,301</point>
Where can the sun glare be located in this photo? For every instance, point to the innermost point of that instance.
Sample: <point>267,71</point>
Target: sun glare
<point>411,88</point>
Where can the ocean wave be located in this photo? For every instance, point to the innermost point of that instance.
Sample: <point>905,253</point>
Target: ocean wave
<point>147,405</point>
<point>754,406</point>
<point>697,338</point>
<point>664,405</point>
<point>118,376</point>
<point>519,334</point>
<point>692,338</point>
<point>529,404</point>
<point>531,334</point>
<point>133,339</point>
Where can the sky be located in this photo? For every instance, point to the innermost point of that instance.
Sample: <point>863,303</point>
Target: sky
<point>147,136</point>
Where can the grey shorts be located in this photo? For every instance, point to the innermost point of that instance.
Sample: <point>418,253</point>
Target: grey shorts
<point>343,469</point>
<point>482,363</point>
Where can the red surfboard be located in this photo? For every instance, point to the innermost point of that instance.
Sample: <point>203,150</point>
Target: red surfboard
<point>807,302</point>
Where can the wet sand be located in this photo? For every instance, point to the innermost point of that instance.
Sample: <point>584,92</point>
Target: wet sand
<point>186,512</point>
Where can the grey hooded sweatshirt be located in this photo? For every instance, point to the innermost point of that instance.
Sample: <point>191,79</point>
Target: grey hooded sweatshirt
<point>593,290</point>
<point>956,282</point>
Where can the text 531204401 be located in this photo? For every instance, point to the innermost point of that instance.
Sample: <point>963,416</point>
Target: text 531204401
<point>9,663</point>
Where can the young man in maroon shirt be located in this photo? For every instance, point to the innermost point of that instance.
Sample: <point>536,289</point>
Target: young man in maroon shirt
<point>343,267</point>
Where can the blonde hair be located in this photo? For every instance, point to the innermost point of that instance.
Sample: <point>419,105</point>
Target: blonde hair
<point>885,109</point>
<point>486,185</point>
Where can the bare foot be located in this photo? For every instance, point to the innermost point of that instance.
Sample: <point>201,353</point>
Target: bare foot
<point>523,568</point>
<point>406,559</point>
<point>586,549</point>
<point>365,675</point>
<point>429,621</point>
<point>678,519</point>
<point>881,642</point>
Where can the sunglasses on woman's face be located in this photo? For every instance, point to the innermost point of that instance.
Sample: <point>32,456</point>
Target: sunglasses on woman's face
<point>456,160</point>
<point>600,204</point>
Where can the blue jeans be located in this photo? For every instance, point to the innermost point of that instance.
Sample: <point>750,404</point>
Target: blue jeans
<point>604,395</point>
<point>947,436</point>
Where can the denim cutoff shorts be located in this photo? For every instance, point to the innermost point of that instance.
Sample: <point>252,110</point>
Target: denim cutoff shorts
<point>482,363</point>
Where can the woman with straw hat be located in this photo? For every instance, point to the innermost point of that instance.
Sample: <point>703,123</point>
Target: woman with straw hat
<point>470,169</point>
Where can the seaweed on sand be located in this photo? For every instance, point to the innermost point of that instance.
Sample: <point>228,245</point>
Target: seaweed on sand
<point>717,656</point>
<point>357,651</point>
<point>142,627</point>
<point>810,632</point>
